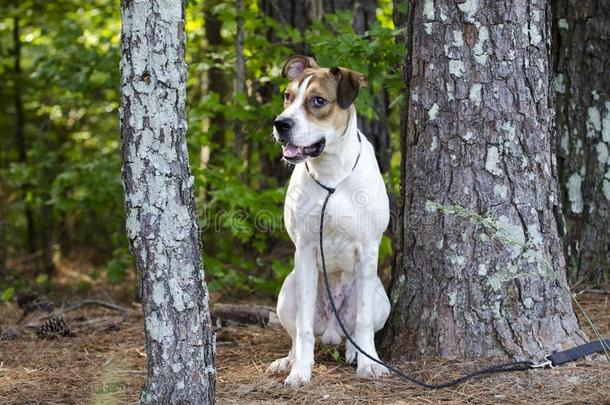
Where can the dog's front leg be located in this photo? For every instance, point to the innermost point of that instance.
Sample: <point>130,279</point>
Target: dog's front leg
<point>364,334</point>
<point>306,274</point>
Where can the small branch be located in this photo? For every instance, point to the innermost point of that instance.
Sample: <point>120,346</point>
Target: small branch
<point>597,291</point>
<point>104,304</point>
<point>83,303</point>
<point>244,314</point>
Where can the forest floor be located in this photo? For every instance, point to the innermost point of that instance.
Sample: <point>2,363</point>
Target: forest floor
<point>104,362</point>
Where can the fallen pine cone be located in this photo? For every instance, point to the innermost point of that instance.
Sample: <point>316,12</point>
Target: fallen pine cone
<point>52,327</point>
<point>9,333</point>
<point>31,301</point>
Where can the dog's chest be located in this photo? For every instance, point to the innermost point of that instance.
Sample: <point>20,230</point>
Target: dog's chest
<point>342,225</point>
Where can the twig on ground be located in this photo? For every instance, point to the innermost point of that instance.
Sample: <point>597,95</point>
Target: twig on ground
<point>104,304</point>
<point>243,314</point>
<point>597,291</point>
<point>83,303</point>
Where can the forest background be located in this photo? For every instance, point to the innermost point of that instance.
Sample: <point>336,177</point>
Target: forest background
<point>61,198</point>
<point>61,202</point>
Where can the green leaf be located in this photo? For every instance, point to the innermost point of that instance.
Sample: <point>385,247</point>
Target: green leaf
<point>42,279</point>
<point>7,295</point>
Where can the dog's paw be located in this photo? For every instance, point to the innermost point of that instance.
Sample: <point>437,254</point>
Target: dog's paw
<point>350,353</point>
<point>295,379</point>
<point>370,369</point>
<point>279,365</point>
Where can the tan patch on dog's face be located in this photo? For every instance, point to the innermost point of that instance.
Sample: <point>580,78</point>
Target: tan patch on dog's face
<point>318,104</point>
<point>322,86</point>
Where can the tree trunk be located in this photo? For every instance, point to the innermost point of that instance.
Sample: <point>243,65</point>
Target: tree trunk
<point>161,222</point>
<point>19,134</point>
<point>376,130</point>
<point>47,239</point>
<point>582,85</point>
<point>217,79</point>
<point>239,81</point>
<point>3,233</point>
<point>479,135</point>
<point>295,13</point>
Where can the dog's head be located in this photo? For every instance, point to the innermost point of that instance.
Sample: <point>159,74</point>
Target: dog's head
<point>317,107</point>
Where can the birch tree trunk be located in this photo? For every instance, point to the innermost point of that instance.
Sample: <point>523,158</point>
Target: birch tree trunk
<point>479,135</point>
<point>161,222</point>
<point>582,84</point>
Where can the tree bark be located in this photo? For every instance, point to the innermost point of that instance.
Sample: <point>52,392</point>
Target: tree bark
<point>479,135</point>
<point>161,214</point>
<point>582,83</point>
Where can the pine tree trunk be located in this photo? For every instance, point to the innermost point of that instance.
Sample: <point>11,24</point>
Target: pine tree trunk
<point>582,85</point>
<point>19,133</point>
<point>47,236</point>
<point>479,133</point>
<point>376,130</point>
<point>296,13</point>
<point>239,81</point>
<point>218,82</point>
<point>3,236</point>
<point>161,222</point>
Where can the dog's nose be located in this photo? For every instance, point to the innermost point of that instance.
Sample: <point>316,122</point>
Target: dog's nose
<point>283,127</point>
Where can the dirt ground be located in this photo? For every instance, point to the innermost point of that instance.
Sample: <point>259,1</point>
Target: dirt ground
<point>104,363</point>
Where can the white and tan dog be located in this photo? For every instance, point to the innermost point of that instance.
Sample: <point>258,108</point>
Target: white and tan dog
<point>319,134</point>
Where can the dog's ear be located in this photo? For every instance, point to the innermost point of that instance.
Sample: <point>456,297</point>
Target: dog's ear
<point>295,65</point>
<point>349,83</point>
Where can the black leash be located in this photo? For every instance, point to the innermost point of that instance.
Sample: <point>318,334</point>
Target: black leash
<point>555,359</point>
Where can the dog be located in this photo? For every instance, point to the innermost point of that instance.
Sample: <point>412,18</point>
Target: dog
<point>319,136</point>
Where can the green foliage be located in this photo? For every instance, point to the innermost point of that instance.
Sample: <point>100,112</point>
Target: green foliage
<point>117,267</point>
<point>69,90</point>
<point>7,295</point>
<point>376,54</point>
<point>243,225</point>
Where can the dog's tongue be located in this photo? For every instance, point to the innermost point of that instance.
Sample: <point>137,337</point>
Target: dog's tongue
<point>291,151</point>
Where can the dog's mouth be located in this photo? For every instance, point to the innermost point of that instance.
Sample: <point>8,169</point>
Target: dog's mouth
<point>296,154</point>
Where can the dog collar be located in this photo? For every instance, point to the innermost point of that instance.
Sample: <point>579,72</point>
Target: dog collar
<point>332,189</point>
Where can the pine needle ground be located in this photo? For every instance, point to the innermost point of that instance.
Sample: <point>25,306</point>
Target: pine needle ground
<point>104,362</point>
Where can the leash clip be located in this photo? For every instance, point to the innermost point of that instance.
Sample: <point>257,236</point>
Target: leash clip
<point>547,363</point>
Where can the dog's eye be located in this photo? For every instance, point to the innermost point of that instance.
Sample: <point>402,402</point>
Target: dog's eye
<point>318,102</point>
<point>286,96</point>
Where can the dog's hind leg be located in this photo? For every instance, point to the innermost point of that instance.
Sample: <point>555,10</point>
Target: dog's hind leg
<point>287,313</point>
<point>381,306</point>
